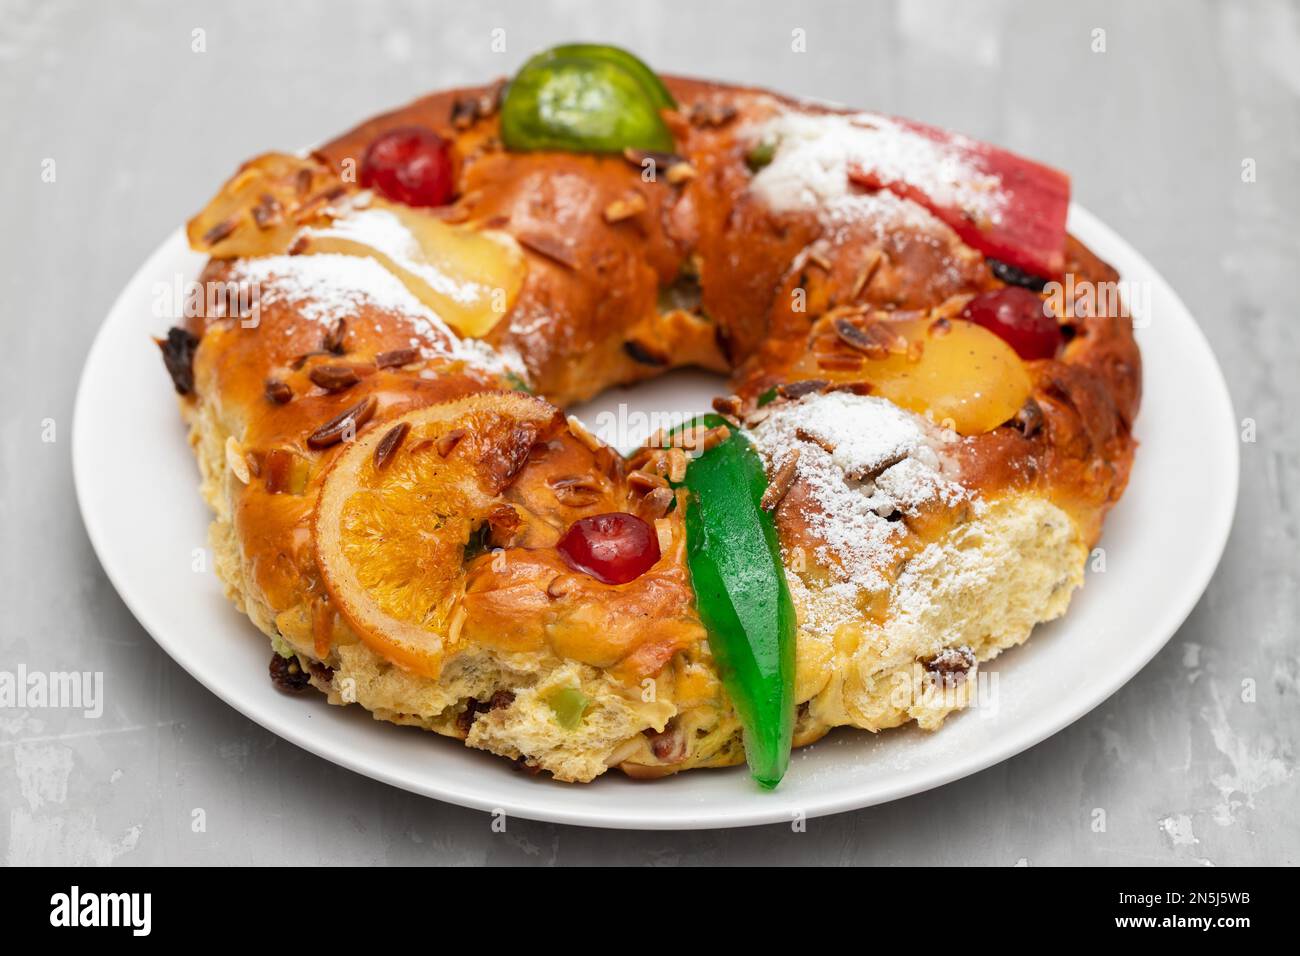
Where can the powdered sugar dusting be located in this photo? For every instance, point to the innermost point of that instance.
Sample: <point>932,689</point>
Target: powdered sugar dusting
<point>383,231</point>
<point>863,462</point>
<point>814,152</point>
<point>323,288</point>
<point>326,287</point>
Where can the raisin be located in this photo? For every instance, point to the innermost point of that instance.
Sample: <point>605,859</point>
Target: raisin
<point>1012,275</point>
<point>287,674</point>
<point>178,355</point>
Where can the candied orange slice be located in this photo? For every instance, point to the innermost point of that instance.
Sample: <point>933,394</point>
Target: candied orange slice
<point>398,507</point>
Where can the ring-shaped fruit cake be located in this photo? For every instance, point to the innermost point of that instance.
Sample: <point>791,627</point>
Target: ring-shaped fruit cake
<point>922,434</point>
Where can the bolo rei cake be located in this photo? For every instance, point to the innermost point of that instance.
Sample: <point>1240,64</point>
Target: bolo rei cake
<point>911,459</point>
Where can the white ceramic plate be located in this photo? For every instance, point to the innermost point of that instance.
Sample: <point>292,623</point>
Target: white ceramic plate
<point>136,483</point>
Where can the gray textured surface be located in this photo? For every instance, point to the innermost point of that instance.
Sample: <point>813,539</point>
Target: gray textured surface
<point>1154,131</point>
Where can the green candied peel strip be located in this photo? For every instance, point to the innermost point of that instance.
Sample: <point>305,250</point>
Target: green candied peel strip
<point>582,103</point>
<point>742,596</point>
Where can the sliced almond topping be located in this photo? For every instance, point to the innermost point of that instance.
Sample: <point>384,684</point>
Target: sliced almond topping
<point>449,441</point>
<point>866,274</point>
<point>457,624</point>
<point>875,339</point>
<point>793,390</point>
<point>299,361</point>
<point>839,362</point>
<point>646,479</point>
<point>780,483</point>
<point>712,113</point>
<point>560,585</point>
<point>819,260</point>
<point>580,432</point>
<point>631,204</point>
<point>714,437</point>
<point>552,247</point>
<point>660,439</point>
<point>655,504</point>
<point>804,435</point>
<point>730,405</point>
<point>235,460</point>
<point>577,491</point>
<point>220,231</point>
<point>397,357</point>
<point>389,444</point>
<point>861,474</point>
<point>268,212</point>
<point>664,532</point>
<point>679,173</point>
<point>344,425</point>
<point>676,465</point>
<point>638,157</point>
<point>334,378</point>
<point>610,463</point>
<point>333,341</point>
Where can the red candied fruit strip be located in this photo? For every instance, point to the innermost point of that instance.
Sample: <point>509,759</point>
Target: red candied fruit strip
<point>1029,232</point>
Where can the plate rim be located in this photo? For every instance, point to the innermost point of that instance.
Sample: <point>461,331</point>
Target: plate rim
<point>574,813</point>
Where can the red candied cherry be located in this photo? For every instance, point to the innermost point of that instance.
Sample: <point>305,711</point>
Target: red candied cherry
<point>613,548</point>
<point>410,165</point>
<point>1018,317</point>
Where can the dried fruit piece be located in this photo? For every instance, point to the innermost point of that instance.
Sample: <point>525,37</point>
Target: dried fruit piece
<point>469,277</point>
<point>568,704</point>
<point>285,473</point>
<point>613,548</point>
<point>288,675</point>
<point>966,377</point>
<point>411,165</point>
<point>259,209</point>
<point>389,540</point>
<point>1018,317</point>
<point>585,98</point>
<point>178,356</point>
<point>1028,231</point>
